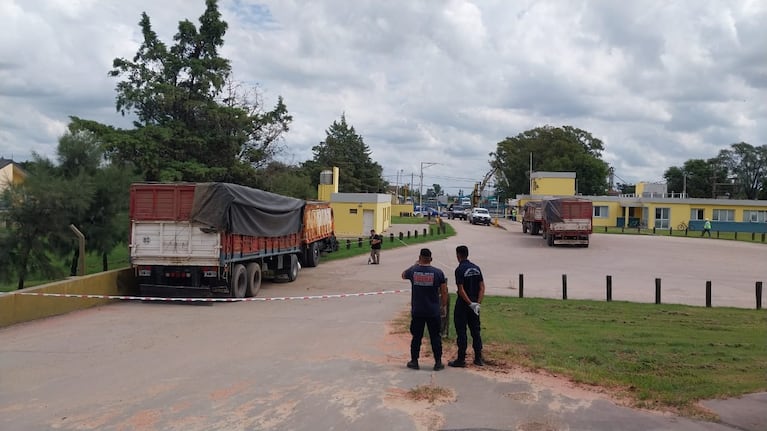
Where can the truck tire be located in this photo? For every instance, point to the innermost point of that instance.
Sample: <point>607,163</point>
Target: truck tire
<point>254,279</point>
<point>535,230</point>
<point>239,281</point>
<point>312,258</point>
<point>293,270</point>
<point>524,227</point>
<point>550,240</point>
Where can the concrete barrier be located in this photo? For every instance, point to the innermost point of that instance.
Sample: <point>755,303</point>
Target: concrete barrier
<point>15,308</point>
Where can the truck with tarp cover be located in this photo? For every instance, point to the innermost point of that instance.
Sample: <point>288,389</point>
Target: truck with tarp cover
<point>221,239</point>
<point>567,221</point>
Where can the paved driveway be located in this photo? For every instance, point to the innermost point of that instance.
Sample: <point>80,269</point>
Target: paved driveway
<point>334,363</point>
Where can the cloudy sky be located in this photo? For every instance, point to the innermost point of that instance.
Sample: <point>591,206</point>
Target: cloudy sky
<point>442,82</point>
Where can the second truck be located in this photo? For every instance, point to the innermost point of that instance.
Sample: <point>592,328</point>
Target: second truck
<point>220,239</point>
<point>567,221</point>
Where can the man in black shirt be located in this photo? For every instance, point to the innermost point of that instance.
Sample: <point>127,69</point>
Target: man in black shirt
<point>471,291</point>
<point>375,247</point>
<point>428,296</point>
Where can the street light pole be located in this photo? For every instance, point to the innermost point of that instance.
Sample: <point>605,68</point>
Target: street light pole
<point>420,192</point>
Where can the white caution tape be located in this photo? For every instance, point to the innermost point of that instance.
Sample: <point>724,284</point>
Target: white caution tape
<point>156,298</point>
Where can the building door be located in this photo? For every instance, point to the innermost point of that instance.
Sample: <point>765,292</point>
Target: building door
<point>367,221</point>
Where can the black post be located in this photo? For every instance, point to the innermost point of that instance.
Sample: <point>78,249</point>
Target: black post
<point>391,237</point>
<point>763,236</point>
<point>564,286</point>
<point>708,294</point>
<point>609,288</point>
<point>653,231</point>
<point>717,234</point>
<point>736,235</point>
<point>758,295</point>
<point>402,234</point>
<point>348,243</point>
<point>359,242</point>
<point>424,231</point>
<point>521,285</point>
<point>657,290</point>
<point>605,229</point>
<point>670,231</point>
<point>753,236</point>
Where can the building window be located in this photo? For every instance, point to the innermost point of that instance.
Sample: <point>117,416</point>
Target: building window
<point>661,217</point>
<point>754,216</point>
<point>696,214</point>
<point>352,210</point>
<point>601,212</point>
<point>724,215</point>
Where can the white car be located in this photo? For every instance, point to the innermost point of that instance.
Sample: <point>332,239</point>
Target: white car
<point>480,216</point>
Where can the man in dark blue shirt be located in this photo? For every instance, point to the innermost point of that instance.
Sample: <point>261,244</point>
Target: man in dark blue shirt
<point>428,296</point>
<point>471,291</point>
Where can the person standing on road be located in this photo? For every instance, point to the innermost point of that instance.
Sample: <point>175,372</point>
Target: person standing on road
<point>471,292</point>
<point>706,228</point>
<point>428,296</point>
<point>375,248</point>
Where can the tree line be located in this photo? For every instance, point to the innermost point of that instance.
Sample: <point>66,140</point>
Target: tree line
<point>193,121</point>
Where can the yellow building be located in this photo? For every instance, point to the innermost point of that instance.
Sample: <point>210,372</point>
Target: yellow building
<point>354,214</point>
<point>653,207</point>
<point>10,173</point>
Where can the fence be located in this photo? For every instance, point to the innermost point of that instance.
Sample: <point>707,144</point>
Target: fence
<point>758,287</point>
<point>687,231</point>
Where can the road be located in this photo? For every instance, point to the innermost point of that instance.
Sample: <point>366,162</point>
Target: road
<point>339,364</point>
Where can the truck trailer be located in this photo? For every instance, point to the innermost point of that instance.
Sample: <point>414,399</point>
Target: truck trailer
<point>567,221</point>
<point>221,239</point>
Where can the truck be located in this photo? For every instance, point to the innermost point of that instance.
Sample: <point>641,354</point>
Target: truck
<point>567,221</point>
<point>532,217</point>
<point>221,239</point>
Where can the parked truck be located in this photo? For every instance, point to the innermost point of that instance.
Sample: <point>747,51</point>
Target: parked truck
<point>220,239</point>
<point>567,221</point>
<point>532,217</point>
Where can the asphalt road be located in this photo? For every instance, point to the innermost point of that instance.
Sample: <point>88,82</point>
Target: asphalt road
<point>339,364</point>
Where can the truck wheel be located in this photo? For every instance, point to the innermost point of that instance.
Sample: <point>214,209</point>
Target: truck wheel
<point>550,241</point>
<point>239,281</point>
<point>312,255</point>
<point>293,271</point>
<point>524,227</point>
<point>535,229</point>
<point>254,279</point>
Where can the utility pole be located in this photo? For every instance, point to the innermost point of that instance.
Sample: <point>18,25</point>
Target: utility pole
<point>420,190</point>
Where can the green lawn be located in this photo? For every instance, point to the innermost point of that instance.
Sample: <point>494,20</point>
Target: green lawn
<point>741,236</point>
<point>661,356</point>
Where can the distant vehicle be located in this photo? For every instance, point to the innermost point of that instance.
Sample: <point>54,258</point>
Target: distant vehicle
<point>457,212</point>
<point>567,221</point>
<point>480,216</point>
<point>425,212</point>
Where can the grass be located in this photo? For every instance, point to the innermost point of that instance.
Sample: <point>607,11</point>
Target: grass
<point>357,250</point>
<point>739,236</point>
<point>118,258</point>
<point>659,356</point>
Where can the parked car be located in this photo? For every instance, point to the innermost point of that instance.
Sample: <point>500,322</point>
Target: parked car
<point>426,211</point>
<point>480,216</point>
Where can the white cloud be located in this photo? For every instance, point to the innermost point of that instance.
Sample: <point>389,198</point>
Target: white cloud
<point>657,82</point>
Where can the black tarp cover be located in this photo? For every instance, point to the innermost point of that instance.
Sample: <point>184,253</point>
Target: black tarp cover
<point>246,211</point>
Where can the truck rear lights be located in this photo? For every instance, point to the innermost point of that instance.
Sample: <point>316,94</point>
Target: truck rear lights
<point>144,271</point>
<point>209,272</point>
<point>178,274</point>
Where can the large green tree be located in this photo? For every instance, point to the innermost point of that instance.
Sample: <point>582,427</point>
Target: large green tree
<point>696,176</point>
<point>193,122</point>
<point>344,148</point>
<point>39,212</point>
<point>748,164</point>
<point>553,149</point>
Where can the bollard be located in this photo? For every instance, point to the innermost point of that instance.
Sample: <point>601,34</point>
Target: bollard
<point>758,295</point>
<point>763,236</point>
<point>521,285</point>
<point>670,231</point>
<point>415,233</point>
<point>408,234</point>
<point>605,229</point>
<point>564,286</point>
<point>623,229</point>
<point>717,234</point>
<point>609,288</point>
<point>424,231</point>
<point>401,235</point>
<point>708,294</point>
<point>359,242</point>
<point>736,235</point>
<point>657,290</point>
<point>653,231</point>
<point>753,236</point>
<point>348,243</point>
<point>391,237</point>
